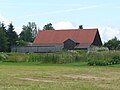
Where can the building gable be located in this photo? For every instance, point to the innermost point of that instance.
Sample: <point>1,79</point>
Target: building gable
<point>97,40</point>
<point>70,44</point>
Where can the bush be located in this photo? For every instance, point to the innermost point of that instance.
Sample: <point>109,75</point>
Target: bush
<point>97,63</point>
<point>104,58</point>
<point>3,56</point>
<point>115,60</point>
<point>16,57</point>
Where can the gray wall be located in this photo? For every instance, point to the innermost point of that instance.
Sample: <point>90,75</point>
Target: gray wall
<point>69,44</point>
<point>32,49</point>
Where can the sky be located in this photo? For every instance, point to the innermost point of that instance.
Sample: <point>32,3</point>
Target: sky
<point>64,14</point>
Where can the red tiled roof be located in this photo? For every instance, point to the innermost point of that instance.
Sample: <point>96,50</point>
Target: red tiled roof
<point>59,36</point>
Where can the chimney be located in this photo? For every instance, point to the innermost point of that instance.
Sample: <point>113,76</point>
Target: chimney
<point>80,26</point>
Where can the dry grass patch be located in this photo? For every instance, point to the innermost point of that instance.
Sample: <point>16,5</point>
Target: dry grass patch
<point>38,80</point>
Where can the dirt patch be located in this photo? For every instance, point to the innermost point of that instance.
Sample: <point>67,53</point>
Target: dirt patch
<point>83,76</point>
<point>80,76</point>
<point>37,80</point>
<point>69,76</point>
<point>72,76</point>
<point>86,77</point>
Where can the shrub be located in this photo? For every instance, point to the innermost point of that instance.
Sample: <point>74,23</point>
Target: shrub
<point>16,57</point>
<point>3,56</point>
<point>115,60</point>
<point>97,63</point>
<point>104,58</point>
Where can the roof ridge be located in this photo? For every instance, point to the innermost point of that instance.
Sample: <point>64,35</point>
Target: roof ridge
<point>71,29</point>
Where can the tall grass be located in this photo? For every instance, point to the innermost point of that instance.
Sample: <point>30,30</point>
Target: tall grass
<point>62,57</point>
<point>103,58</point>
<point>59,57</point>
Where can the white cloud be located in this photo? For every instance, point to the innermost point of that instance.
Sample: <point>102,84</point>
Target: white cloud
<point>3,19</point>
<point>18,29</point>
<point>109,32</point>
<point>64,25</point>
<point>7,22</point>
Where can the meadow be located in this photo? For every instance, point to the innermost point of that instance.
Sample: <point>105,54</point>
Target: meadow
<point>72,76</point>
<point>60,71</point>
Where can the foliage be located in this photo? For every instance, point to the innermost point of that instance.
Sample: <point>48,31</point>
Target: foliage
<point>2,26</point>
<point>29,32</point>
<point>60,57</point>
<point>12,36</point>
<point>3,57</point>
<point>8,37</point>
<point>96,58</point>
<point>21,43</point>
<point>48,27</point>
<point>115,59</point>
<point>100,58</point>
<point>3,39</point>
<point>113,44</point>
<point>104,58</point>
<point>97,63</point>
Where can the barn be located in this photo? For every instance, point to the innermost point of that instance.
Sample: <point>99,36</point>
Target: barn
<point>57,40</point>
<point>69,39</point>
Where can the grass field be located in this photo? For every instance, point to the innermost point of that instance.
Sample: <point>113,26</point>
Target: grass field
<point>76,76</point>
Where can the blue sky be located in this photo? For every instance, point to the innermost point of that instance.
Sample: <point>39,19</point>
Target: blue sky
<point>103,14</point>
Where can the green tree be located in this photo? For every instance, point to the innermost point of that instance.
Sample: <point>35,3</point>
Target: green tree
<point>48,27</point>
<point>113,44</point>
<point>12,36</point>
<point>21,43</point>
<point>2,26</point>
<point>3,38</point>
<point>29,32</point>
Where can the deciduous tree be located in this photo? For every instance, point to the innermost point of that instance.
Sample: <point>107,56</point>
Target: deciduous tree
<point>48,27</point>
<point>29,32</point>
<point>113,44</point>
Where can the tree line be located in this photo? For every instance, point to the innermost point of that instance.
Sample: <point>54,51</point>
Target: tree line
<point>9,37</point>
